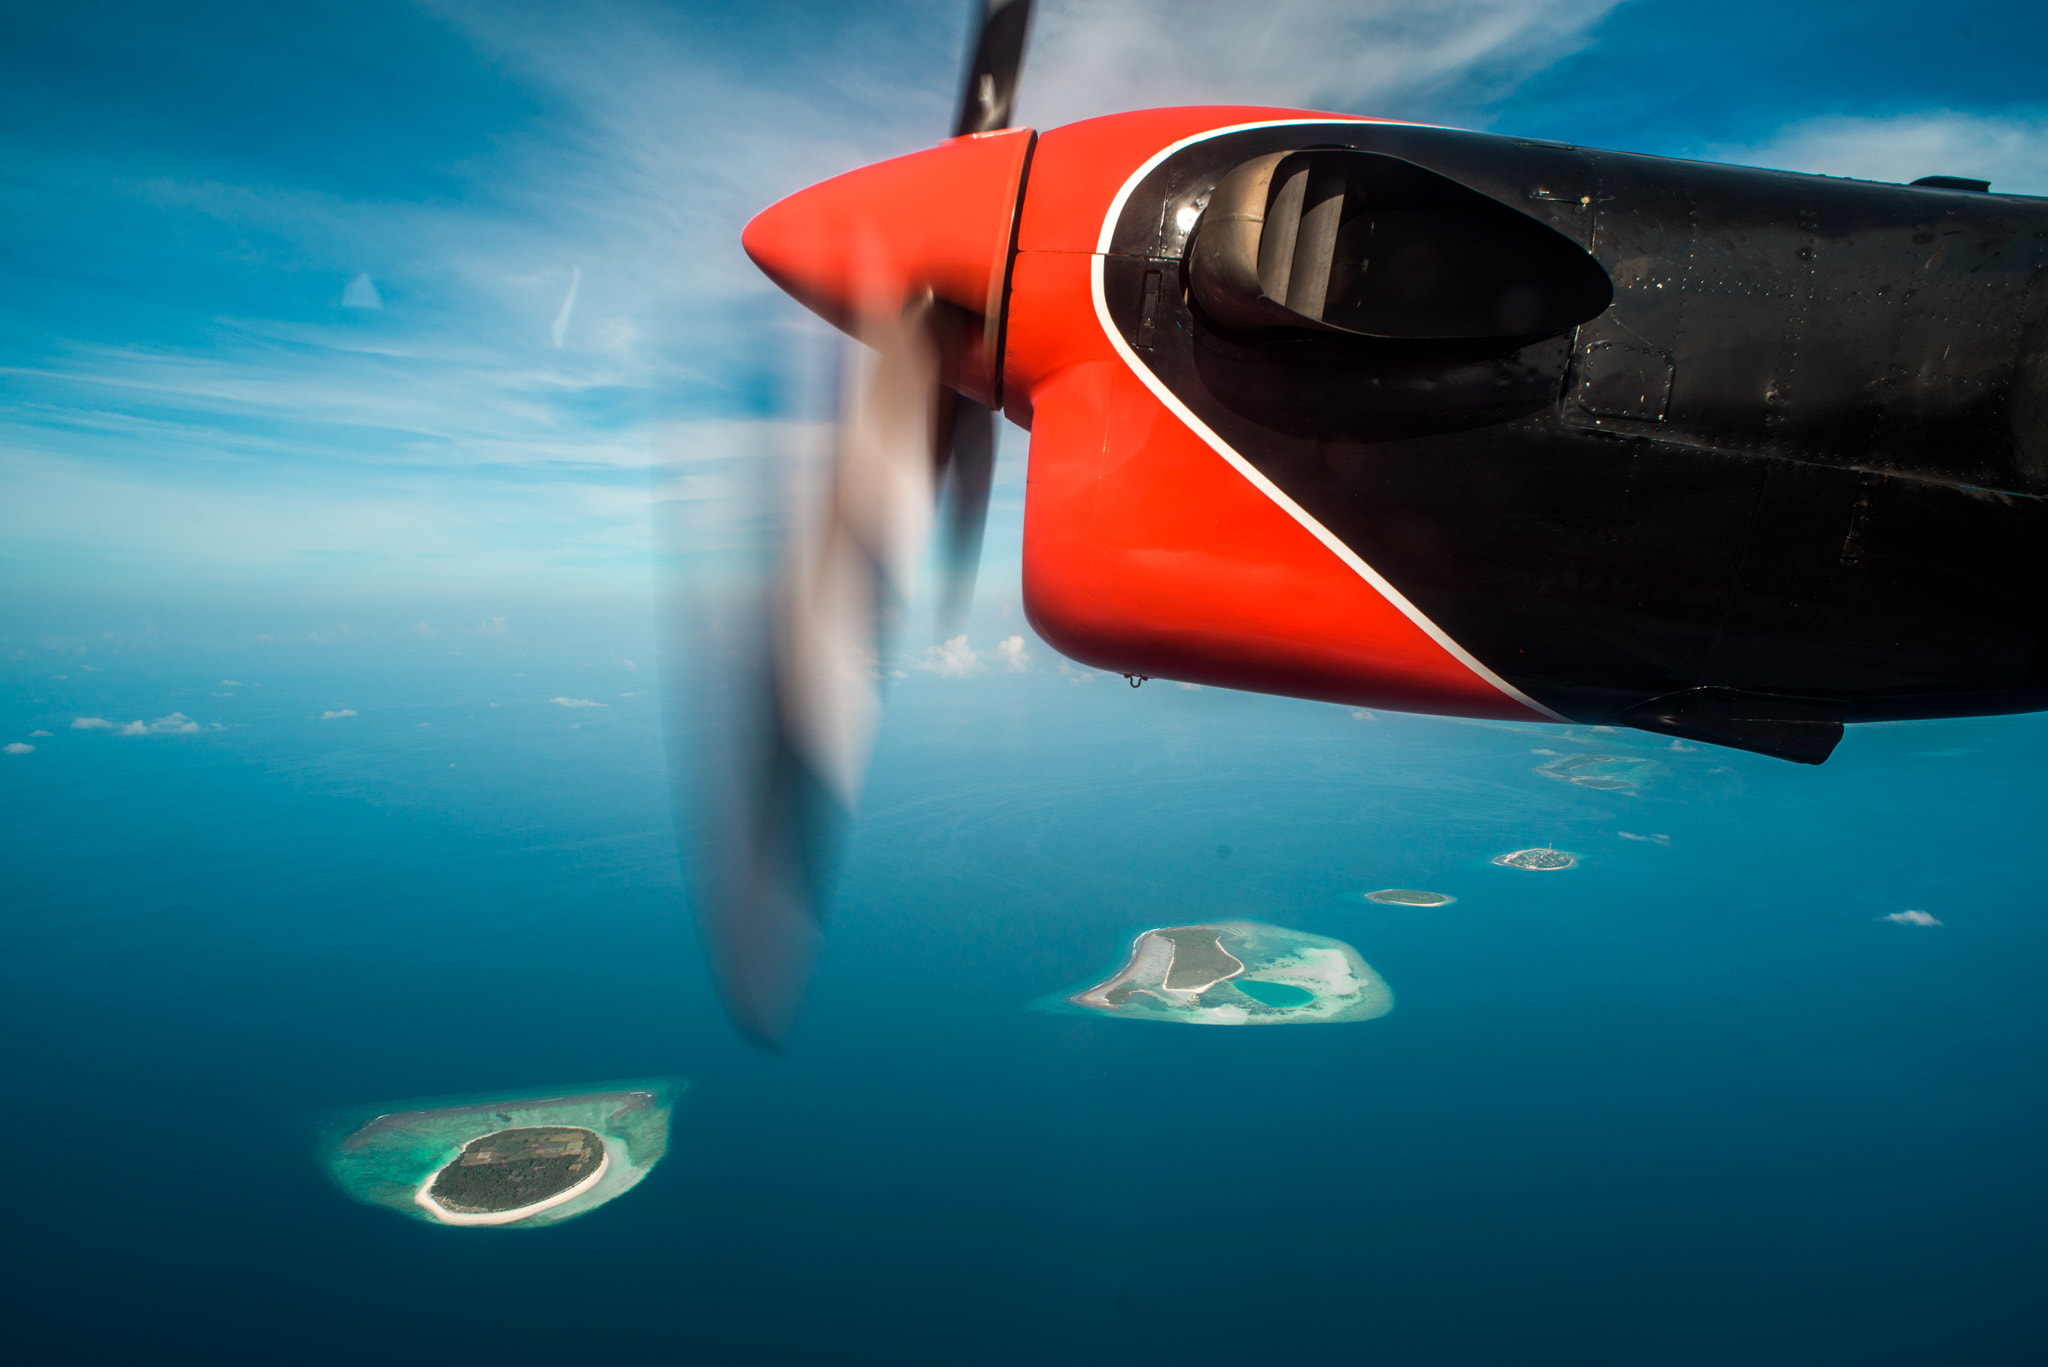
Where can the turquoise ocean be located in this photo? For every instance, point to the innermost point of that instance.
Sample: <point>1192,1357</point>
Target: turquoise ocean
<point>1696,1100</point>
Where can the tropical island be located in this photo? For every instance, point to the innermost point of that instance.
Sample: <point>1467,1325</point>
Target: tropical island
<point>1238,973</point>
<point>506,1161</point>
<point>1410,897</point>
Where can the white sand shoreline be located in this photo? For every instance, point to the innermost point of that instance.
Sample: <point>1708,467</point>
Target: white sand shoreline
<point>424,1196</point>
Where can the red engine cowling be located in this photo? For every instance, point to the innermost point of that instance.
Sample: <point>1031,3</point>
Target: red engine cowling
<point>1150,547</point>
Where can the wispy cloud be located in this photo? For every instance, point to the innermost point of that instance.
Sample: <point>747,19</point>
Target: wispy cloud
<point>1369,56</point>
<point>338,712</point>
<point>362,294</point>
<point>1646,839</point>
<point>17,748</point>
<point>575,702</point>
<point>560,327</point>
<point>2010,150</point>
<point>1910,918</point>
<point>92,724</point>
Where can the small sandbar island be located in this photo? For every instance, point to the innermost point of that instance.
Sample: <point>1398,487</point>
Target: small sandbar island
<point>1410,897</point>
<point>514,1162</point>
<point>1545,860</point>
<point>1239,973</point>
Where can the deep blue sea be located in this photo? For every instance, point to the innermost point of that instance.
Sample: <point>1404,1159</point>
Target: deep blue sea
<point>1693,1101</point>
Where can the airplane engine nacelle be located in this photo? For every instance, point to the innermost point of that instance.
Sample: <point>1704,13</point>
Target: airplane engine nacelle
<point>1152,547</point>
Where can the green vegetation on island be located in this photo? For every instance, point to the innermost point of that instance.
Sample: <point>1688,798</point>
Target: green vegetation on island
<point>509,1169</point>
<point>514,1161</point>
<point>1237,973</point>
<point>1410,897</point>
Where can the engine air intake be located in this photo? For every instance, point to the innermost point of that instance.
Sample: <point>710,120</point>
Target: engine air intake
<point>1336,240</point>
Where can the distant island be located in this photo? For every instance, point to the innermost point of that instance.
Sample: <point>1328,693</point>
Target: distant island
<point>508,1161</point>
<point>1410,897</point>
<point>1238,973</point>
<point>1607,772</point>
<point>1542,861</point>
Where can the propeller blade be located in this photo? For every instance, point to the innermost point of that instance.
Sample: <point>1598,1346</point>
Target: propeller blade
<point>860,550</point>
<point>787,689</point>
<point>993,63</point>
<point>763,830</point>
<point>967,433</point>
<point>785,697</point>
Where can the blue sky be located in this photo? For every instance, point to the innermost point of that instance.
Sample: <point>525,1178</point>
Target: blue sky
<point>288,288</point>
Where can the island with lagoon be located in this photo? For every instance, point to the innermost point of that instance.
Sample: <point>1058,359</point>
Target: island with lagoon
<point>508,1161</point>
<point>1237,973</point>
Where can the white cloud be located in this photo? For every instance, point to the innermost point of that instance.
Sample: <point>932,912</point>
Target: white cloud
<point>39,732</point>
<point>92,724</point>
<point>1188,687</point>
<point>1360,714</point>
<point>1077,676</point>
<point>1016,657</point>
<point>574,702</point>
<point>423,628</point>
<point>342,712</point>
<point>491,626</point>
<point>629,666</point>
<point>230,683</point>
<point>1664,840</point>
<point>2009,150</point>
<point>361,293</point>
<point>1683,748</point>
<point>177,723</point>
<point>16,748</point>
<point>1910,918</point>
<point>953,659</point>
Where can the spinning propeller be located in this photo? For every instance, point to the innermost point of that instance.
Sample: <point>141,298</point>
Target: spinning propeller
<point>908,257</point>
